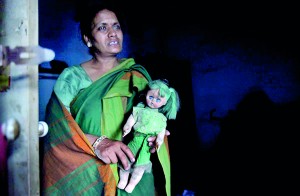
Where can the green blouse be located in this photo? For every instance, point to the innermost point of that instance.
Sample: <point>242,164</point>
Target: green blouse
<point>70,82</point>
<point>74,79</point>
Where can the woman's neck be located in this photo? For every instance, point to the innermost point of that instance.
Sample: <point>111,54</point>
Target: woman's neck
<point>96,67</point>
<point>104,63</point>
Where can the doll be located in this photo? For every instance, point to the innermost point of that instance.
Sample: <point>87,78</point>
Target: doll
<point>148,119</point>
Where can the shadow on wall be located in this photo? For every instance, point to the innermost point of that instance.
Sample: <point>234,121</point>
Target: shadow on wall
<point>256,149</point>
<point>47,79</point>
<point>56,67</point>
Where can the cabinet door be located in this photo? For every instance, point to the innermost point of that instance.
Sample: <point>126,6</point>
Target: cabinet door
<point>19,27</point>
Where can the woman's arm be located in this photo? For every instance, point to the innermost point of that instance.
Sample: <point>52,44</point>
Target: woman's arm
<point>112,151</point>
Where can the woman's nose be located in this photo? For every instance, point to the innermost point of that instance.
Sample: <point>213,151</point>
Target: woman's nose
<point>111,32</point>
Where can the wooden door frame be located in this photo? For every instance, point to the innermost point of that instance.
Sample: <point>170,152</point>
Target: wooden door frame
<point>19,27</point>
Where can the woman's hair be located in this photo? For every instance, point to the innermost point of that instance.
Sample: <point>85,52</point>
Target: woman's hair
<point>173,103</point>
<point>87,11</point>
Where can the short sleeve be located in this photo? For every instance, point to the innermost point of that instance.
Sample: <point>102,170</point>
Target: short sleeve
<point>69,83</point>
<point>135,112</point>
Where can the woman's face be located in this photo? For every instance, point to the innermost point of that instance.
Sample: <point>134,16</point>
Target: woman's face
<point>107,33</point>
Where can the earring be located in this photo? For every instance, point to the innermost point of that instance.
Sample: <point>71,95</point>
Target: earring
<point>89,44</point>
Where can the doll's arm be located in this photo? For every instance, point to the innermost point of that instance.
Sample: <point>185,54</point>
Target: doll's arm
<point>160,138</point>
<point>128,125</point>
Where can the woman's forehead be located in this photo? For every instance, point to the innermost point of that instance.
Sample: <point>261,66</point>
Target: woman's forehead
<point>105,16</point>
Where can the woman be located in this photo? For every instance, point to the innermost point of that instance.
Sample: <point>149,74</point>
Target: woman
<point>85,115</point>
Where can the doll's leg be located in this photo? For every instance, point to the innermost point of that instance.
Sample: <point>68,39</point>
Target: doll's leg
<point>124,175</point>
<point>136,176</point>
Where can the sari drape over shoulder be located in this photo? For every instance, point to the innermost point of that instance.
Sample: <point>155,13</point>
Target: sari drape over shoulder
<point>70,166</point>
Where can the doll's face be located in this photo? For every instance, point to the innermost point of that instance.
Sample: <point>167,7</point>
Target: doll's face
<point>154,100</point>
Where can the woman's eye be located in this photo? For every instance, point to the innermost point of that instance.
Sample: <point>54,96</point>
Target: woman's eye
<point>102,28</point>
<point>117,27</point>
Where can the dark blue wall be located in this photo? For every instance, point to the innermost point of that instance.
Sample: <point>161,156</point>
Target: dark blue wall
<point>237,72</point>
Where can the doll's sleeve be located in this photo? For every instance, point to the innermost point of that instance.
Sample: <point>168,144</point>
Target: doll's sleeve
<point>135,112</point>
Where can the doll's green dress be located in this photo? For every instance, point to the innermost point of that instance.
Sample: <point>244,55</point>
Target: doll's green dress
<point>148,122</point>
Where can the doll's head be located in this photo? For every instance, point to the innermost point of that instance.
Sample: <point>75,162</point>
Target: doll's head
<point>163,97</point>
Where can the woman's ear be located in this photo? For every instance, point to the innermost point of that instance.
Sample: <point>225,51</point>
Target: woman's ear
<point>87,41</point>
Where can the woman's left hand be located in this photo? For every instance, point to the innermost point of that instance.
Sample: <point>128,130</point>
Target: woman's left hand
<point>152,142</point>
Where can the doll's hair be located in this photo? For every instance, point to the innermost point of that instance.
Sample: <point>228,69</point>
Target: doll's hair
<point>173,103</point>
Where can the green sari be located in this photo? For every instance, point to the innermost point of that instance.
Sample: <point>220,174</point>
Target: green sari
<point>70,166</point>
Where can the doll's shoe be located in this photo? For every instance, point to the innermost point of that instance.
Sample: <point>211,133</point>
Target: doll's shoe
<point>124,175</point>
<point>129,189</point>
<point>121,185</point>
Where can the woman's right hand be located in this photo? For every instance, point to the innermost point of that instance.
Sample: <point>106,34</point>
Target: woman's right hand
<point>152,142</point>
<point>113,151</point>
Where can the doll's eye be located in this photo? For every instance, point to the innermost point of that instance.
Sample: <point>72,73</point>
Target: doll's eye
<point>158,100</point>
<point>151,98</point>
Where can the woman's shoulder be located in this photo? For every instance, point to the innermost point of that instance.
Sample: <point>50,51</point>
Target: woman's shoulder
<point>73,76</point>
<point>72,72</point>
<point>72,69</point>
